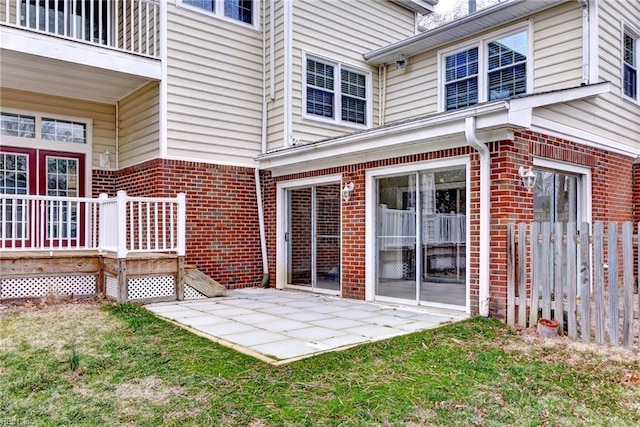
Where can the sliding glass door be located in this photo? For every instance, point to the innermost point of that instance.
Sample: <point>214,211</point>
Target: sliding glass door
<point>313,238</point>
<point>421,237</point>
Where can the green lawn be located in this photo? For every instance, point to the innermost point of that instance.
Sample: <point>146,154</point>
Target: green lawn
<point>116,364</point>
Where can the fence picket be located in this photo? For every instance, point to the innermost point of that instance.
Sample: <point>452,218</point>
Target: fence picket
<point>522,277</point>
<point>614,315</point>
<point>598,279</point>
<point>555,259</point>
<point>535,288</point>
<point>572,280</point>
<point>585,285</point>
<point>627,259</point>
<point>557,277</point>
<point>511,281</point>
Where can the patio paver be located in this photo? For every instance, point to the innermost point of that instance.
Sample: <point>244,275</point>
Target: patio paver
<point>281,326</point>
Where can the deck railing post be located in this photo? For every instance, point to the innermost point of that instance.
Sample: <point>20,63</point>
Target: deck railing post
<point>121,224</point>
<point>182,224</point>
<point>102,218</point>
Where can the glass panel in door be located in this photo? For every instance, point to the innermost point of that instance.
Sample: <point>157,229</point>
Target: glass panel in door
<point>313,237</point>
<point>443,236</point>
<point>326,250</point>
<point>396,237</point>
<point>299,237</point>
<point>15,168</point>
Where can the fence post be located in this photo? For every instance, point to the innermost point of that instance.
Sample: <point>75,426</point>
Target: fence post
<point>558,307</point>
<point>121,226</point>
<point>522,274</point>
<point>614,313</point>
<point>535,276</point>
<point>182,224</point>
<point>598,279</point>
<point>101,222</point>
<point>572,281</point>
<point>627,260</point>
<point>585,282</point>
<point>511,268</point>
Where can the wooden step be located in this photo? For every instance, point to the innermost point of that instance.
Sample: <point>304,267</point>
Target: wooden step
<point>203,283</point>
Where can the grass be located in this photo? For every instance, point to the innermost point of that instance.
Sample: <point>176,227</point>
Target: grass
<point>116,364</point>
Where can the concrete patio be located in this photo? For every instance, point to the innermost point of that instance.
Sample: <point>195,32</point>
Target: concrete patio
<point>282,326</point>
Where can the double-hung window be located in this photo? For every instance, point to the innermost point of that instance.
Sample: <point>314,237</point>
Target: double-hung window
<point>489,69</point>
<point>336,92</point>
<point>630,64</point>
<point>234,10</point>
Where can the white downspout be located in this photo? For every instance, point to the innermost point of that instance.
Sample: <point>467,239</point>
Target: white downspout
<point>485,213</point>
<point>263,239</point>
<point>585,41</point>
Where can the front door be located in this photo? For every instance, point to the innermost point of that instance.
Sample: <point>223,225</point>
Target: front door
<point>313,238</point>
<point>47,173</point>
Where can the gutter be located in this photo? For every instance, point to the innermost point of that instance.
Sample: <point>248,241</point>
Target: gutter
<point>485,213</point>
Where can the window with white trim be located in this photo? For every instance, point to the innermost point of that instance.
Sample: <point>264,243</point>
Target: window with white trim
<point>336,92</point>
<point>492,68</point>
<point>234,10</point>
<point>630,64</point>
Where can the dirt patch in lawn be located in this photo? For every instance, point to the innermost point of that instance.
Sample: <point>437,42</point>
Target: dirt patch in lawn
<point>53,323</point>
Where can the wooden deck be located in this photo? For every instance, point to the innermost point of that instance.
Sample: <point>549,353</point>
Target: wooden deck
<point>140,276</point>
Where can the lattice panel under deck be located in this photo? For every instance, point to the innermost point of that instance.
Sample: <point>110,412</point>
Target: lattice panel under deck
<point>111,287</point>
<point>33,287</point>
<point>151,287</point>
<point>190,293</point>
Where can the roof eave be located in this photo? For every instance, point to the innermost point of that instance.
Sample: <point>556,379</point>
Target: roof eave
<point>490,17</point>
<point>420,6</point>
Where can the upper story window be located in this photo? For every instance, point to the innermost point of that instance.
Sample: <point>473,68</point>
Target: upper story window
<point>630,64</point>
<point>489,69</point>
<point>336,92</point>
<point>234,10</point>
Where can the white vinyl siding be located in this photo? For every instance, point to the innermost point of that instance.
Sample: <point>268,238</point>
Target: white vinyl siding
<point>215,89</point>
<point>610,116</point>
<point>342,31</point>
<point>275,111</point>
<point>139,126</point>
<point>102,116</point>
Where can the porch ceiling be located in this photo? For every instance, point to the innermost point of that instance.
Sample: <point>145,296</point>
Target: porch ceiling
<point>39,74</point>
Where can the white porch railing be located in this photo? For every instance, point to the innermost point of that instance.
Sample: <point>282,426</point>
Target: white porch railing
<point>119,224</point>
<point>397,228</point>
<point>131,26</point>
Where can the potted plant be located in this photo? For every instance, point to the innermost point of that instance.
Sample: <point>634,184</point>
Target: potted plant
<point>548,328</point>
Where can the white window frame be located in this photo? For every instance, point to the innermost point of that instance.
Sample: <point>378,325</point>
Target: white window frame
<point>483,66</point>
<point>49,144</point>
<point>282,205</point>
<point>584,177</point>
<point>218,13</point>
<point>627,29</point>
<point>337,92</point>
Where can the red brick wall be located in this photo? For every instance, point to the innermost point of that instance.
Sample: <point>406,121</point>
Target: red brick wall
<point>611,200</point>
<point>223,237</point>
<point>103,181</point>
<point>636,190</point>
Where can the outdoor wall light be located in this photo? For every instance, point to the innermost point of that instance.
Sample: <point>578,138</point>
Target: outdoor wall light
<point>105,159</point>
<point>401,63</point>
<point>528,177</point>
<point>347,191</point>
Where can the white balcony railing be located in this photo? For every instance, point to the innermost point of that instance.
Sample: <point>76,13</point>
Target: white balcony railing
<point>397,228</point>
<point>131,26</point>
<point>119,224</point>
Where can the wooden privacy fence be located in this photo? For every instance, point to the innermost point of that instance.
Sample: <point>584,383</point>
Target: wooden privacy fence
<point>582,278</point>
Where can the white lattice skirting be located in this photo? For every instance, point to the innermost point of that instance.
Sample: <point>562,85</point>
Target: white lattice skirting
<point>151,287</point>
<point>190,293</point>
<point>35,287</point>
